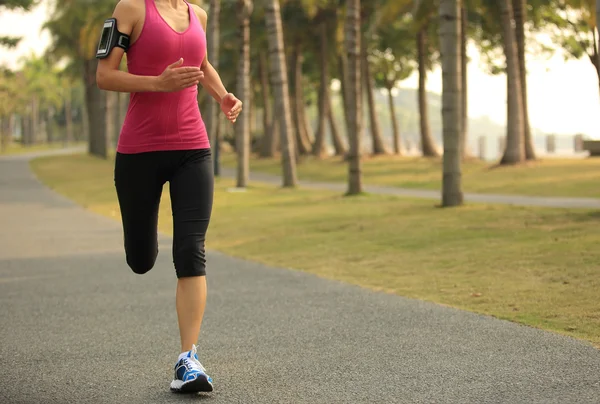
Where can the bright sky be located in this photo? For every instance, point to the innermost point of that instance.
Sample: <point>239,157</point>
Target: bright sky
<point>564,97</point>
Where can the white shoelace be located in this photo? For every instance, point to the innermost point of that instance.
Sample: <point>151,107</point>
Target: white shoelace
<point>194,363</point>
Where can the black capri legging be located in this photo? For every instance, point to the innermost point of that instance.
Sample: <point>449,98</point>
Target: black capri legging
<point>139,180</point>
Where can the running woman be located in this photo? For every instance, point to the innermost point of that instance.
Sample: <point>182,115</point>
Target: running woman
<point>164,139</point>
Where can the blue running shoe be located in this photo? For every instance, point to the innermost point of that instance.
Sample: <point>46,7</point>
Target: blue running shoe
<point>190,375</point>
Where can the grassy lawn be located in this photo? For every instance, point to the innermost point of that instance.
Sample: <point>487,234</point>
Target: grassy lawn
<point>543,178</point>
<point>539,267</point>
<point>18,148</point>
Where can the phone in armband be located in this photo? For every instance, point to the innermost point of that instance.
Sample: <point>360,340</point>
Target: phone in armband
<point>111,38</point>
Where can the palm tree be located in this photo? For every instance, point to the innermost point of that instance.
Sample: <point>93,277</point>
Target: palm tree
<point>450,44</point>
<point>280,86</point>
<point>464,128</point>
<point>392,63</point>
<point>212,110</point>
<point>514,151</point>
<point>354,116</point>
<point>318,147</point>
<point>520,12</point>
<point>73,27</point>
<point>242,129</point>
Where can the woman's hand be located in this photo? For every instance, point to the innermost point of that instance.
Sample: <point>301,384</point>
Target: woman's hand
<point>176,78</point>
<point>231,107</point>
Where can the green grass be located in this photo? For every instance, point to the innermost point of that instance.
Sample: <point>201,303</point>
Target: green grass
<point>552,177</point>
<point>533,266</point>
<point>18,148</point>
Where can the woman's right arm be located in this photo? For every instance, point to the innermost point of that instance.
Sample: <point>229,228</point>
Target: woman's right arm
<point>110,78</point>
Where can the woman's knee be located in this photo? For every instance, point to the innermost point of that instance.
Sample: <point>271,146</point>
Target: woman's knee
<point>140,264</point>
<point>189,257</point>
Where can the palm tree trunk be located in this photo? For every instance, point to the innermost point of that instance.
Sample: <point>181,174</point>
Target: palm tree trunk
<point>85,117</point>
<point>343,71</point>
<point>338,143</point>
<point>4,132</point>
<point>95,100</point>
<point>68,118</point>
<point>280,86</point>
<point>117,119</point>
<point>394,118</point>
<point>111,117</point>
<point>319,144</point>
<point>520,12</point>
<point>595,56</point>
<point>35,119</point>
<point>353,39</point>
<point>302,137</point>
<point>267,146</point>
<point>242,127</point>
<point>514,151</point>
<point>377,140</point>
<point>450,45</point>
<point>427,144</point>
<point>23,130</point>
<point>211,117</point>
<point>464,130</point>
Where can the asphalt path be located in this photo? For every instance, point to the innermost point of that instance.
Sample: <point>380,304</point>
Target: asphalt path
<point>77,326</point>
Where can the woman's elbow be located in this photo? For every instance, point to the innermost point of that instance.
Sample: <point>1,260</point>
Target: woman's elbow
<point>101,79</point>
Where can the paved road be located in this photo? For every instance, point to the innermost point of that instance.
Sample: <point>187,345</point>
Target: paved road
<point>518,200</point>
<point>77,326</point>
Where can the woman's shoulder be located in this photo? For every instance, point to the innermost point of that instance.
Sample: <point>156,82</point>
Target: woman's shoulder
<point>131,8</point>
<point>200,13</point>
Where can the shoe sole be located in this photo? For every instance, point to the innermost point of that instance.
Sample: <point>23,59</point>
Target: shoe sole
<point>199,385</point>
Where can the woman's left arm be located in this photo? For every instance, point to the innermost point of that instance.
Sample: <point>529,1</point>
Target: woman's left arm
<point>230,105</point>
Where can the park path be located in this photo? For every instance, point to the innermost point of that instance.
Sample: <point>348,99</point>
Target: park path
<point>518,200</point>
<point>77,326</point>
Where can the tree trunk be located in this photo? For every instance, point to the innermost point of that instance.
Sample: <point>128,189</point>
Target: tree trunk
<point>319,149</point>
<point>124,99</point>
<point>377,140</point>
<point>428,147</point>
<point>68,118</point>
<point>85,116</point>
<point>520,14</point>
<point>35,120</point>
<point>95,101</point>
<point>302,139</point>
<point>450,46</point>
<point>5,132</point>
<point>242,127</point>
<point>338,143</point>
<point>307,129</point>
<point>24,129</point>
<point>514,151</point>
<point>280,86</point>
<point>267,146</point>
<point>352,40</point>
<point>343,71</point>
<point>211,117</point>
<point>395,127</point>
<point>111,117</point>
<point>118,107</point>
<point>50,128</point>
<point>464,130</point>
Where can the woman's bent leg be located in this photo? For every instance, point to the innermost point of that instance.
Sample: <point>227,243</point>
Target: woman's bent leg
<point>139,187</point>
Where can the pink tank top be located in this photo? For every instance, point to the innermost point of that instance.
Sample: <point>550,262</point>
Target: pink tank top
<point>157,121</point>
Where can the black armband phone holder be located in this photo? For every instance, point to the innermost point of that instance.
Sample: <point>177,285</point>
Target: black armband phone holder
<point>111,38</point>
